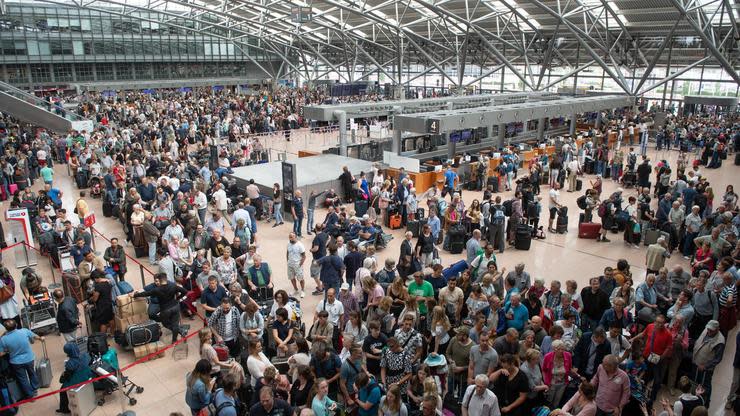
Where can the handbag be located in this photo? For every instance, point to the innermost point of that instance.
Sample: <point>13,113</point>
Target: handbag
<point>653,358</point>
<point>636,228</point>
<point>6,293</point>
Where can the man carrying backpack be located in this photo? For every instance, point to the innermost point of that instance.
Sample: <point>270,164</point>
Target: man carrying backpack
<point>497,227</point>
<point>224,401</point>
<point>606,212</point>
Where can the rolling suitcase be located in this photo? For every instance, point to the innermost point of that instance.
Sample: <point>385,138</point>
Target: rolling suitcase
<point>522,237</point>
<point>652,235</point>
<point>455,269</point>
<point>81,179</point>
<point>107,209</point>
<point>143,333</point>
<point>395,221</point>
<point>579,184</point>
<point>737,159</point>
<point>142,251</point>
<point>97,344</point>
<point>413,226</point>
<point>589,230</point>
<point>562,224</point>
<point>492,181</point>
<point>43,368</point>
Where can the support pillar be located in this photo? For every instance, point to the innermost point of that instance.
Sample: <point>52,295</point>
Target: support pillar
<point>501,135</point>
<point>541,129</point>
<point>572,128</point>
<point>342,119</point>
<point>450,146</point>
<point>598,121</point>
<point>396,144</point>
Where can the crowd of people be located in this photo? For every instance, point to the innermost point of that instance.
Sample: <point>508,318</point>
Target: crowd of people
<point>391,335</point>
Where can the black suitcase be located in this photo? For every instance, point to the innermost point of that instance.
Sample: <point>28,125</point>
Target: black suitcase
<point>629,179</point>
<point>361,207</point>
<point>579,184</point>
<point>493,181</point>
<point>413,226</point>
<point>142,251</point>
<point>143,333</point>
<point>107,209</point>
<point>532,210</point>
<point>97,344</point>
<point>607,172</point>
<point>457,247</point>
<point>420,213</point>
<point>737,159</point>
<point>522,237</point>
<point>81,179</point>
<point>562,224</point>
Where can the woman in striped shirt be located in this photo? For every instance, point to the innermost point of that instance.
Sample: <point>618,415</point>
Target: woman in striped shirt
<point>727,300</point>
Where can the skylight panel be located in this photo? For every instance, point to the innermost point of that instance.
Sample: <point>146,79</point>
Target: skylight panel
<point>710,8</point>
<point>603,16</point>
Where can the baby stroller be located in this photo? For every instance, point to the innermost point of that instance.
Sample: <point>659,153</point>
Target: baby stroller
<point>107,365</point>
<point>96,189</point>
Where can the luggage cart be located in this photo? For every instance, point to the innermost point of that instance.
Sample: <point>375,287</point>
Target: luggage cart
<point>40,314</point>
<point>113,381</point>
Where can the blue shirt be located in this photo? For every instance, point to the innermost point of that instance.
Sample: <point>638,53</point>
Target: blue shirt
<point>53,194</point>
<point>221,398</point>
<point>211,298</point>
<point>450,176</point>
<point>521,315</point>
<point>206,174</point>
<point>17,344</point>
<point>370,393</point>
<point>435,225</point>
<point>331,269</point>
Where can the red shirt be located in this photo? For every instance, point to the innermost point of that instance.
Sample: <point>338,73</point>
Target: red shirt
<point>663,340</point>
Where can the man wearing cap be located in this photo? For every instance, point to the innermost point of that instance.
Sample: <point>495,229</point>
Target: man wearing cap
<point>708,351</point>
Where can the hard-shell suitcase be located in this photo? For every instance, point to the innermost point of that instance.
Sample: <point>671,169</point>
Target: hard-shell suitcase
<point>493,183</point>
<point>143,333</point>
<point>9,394</point>
<point>43,368</point>
<point>81,179</point>
<point>455,269</point>
<point>589,230</point>
<point>413,226</point>
<point>457,247</point>
<point>522,237</point>
<point>652,235</point>
<point>107,209</point>
<point>562,224</point>
<point>395,222</point>
<point>579,184</point>
<point>737,159</point>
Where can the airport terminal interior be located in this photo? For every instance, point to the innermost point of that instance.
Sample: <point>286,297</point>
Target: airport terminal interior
<point>376,207</point>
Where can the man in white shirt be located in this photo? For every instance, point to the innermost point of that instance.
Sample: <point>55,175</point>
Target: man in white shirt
<point>222,202</point>
<point>478,400</point>
<point>201,203</point>
<point>554,204</point>
<point>296,256</point>
<point>332,306</point>
<point>242,214</point>
<point>573,168</point>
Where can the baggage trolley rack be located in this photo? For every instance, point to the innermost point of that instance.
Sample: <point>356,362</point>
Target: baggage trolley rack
<point>40,316</point>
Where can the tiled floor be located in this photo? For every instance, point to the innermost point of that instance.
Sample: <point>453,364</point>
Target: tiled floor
<point>557,257</point>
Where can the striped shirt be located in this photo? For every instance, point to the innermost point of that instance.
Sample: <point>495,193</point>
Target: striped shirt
<point>725,294</point>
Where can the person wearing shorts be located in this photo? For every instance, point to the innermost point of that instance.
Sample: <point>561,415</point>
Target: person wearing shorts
<point>296,256</point>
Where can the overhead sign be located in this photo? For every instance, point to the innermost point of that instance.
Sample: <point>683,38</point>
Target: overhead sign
<point>432,126</point>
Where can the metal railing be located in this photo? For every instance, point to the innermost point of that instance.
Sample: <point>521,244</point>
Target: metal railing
<point>38,102</point>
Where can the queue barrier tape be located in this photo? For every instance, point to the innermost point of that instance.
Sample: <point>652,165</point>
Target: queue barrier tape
<point>92,380</point>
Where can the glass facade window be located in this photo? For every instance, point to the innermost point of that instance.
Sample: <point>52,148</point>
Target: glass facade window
<point>162,71</point>
<point>40,73</point>
<point>63,72</point>
<point>61,47</point>
<point>124,71</point>
<point>17,74</point>
<point>143,71</point>
<point>84,72</point>
<point>104,71</point>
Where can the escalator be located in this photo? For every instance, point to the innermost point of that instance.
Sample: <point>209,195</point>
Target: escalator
<point>32,109</point>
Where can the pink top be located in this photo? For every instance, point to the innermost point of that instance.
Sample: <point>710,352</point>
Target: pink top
<point>547,365</point>
<point>611,391</point>
<point>588,410</point>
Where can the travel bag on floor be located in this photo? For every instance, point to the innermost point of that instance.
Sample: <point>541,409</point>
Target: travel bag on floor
<point>143,333</point>
<point>97,344</point>
<point>414,227</point>
<point>652,235</point>
<point>43,368</point>
<point>522,237</point>
<point>589,230</point>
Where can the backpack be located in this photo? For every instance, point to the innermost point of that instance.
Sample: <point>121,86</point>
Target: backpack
<point>602,210</point>
<point>581,202</point>
<point>507,207</point>
<point>690,405</point>
<point>213,410</point>
<point>499,215</point>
